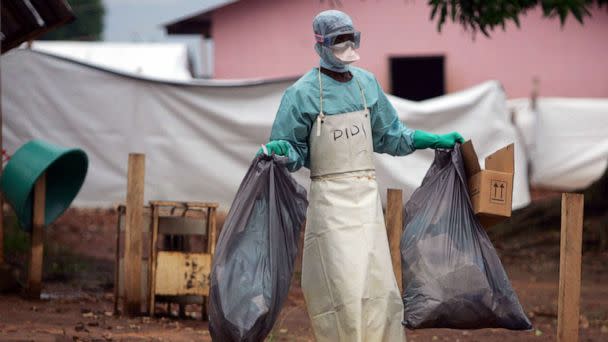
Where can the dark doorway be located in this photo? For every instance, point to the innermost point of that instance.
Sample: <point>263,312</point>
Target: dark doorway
<point>417,78</point>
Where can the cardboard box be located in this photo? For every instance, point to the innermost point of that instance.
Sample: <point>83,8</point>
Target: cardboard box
<point>491,190</point>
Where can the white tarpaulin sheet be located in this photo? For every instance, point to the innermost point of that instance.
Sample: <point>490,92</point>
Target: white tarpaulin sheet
<point>200,137</point>
<point>160,60</point>
<point>567,140</point>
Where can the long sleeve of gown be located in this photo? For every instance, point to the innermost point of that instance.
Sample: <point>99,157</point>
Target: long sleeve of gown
<point>294,127</point>
<point>390,135</point>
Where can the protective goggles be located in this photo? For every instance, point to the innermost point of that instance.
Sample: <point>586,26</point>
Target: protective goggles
<point>339,37</point>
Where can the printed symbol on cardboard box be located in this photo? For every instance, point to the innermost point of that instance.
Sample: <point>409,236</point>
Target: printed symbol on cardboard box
<point>498,191</point>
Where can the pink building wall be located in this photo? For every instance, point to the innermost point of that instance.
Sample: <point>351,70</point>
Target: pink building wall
<point>273,38</point>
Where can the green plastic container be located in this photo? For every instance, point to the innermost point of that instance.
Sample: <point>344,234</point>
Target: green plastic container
<point>65,168</point>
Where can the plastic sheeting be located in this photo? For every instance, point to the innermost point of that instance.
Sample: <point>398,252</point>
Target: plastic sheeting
<point>256,251</point>
<point>161,60</point>
<point>452,276</point>
<point>200,137</point>
<point>567,140</point>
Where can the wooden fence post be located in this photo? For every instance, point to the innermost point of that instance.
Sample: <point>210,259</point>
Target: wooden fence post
<point>394,225</point>
<point>1,167</point>
<point>1,225</point>
<point>34,271</point>
<point>133,233</point>
<point>570,268</point>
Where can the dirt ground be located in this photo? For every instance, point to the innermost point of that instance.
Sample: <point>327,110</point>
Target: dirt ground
<point>77,296</point>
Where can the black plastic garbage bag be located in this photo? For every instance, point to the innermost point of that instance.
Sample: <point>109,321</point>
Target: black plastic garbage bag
<point>255,254</point>
<point>452,276</point>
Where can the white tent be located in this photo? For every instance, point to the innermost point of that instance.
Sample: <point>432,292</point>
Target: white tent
<point>160,60</point>
<point>567,140</point>
<point>199,137</point>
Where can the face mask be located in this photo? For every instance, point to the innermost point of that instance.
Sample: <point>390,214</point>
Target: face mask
<point>345,52</point>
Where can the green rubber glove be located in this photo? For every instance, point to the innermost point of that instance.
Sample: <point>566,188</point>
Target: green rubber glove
<point>424,139</point>
<point>278,147</point>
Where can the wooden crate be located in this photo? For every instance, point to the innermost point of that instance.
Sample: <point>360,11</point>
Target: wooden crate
<point>179,273</point>
<point>181,276</point>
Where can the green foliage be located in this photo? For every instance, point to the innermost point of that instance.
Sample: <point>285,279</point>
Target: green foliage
<point>485,15</point>
<point>16,241</point>
<point>88,24</point>
<point>60,263</point>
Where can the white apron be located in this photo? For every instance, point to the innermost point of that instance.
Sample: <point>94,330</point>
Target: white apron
<point>347,277</point>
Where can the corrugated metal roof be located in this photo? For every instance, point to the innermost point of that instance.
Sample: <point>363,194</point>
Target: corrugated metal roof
<point>24,20</point>
<point>198,23</point>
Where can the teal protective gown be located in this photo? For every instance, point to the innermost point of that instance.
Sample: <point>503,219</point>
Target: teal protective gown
<point>300,106</point>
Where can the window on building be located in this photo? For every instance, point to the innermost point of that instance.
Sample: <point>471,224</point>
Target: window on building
<point>417,78</point>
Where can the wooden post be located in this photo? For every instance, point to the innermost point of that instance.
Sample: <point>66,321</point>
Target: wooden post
<point>34,272</point>
<point>394,225</point>
<point>570,268</point>
<point>211,241</point>
<point>119,211</point>
<point>152,260</point>
<point>1,225</point>
<point>133,233</point>
<point>211,231</point>
<point>1,167</point>
<point>1,221</point>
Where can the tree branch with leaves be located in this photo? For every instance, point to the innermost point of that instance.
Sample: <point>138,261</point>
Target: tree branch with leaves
<point>486,15</point>
<point>88,25</point>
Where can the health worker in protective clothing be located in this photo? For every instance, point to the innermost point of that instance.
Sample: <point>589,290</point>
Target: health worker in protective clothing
<point>331,121</point>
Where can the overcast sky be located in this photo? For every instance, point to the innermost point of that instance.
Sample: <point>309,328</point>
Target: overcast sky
<point>141,20</point>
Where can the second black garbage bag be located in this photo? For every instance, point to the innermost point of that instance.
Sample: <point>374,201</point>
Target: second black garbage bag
<point>452,276</point>
<point>257,247</point>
